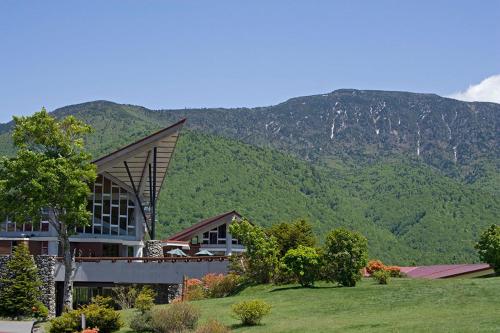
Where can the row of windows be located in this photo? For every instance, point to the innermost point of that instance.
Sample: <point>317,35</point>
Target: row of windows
<point>215,236</point>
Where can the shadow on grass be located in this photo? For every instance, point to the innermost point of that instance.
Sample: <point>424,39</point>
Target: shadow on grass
<point>300,287</point>
<point>240,325</point>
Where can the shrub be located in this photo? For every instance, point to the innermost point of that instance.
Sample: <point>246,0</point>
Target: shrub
<point>104,301</point>
<point>251,312</point>
<point>40,311</point>
<point>488,247</point>
<point>142,322</point>
<point>213,326</point>
<point>304,263</point>
<point>345,254</point>
<point>91,330</point>
<point>219,285</point>
<point>177,317</point>
<point>145,300</point>
<point>374,265</point>
<point>125,296</point>
<point>394,271</point>
<point>382,276</point>
<point>19,284</point>
<point>261,255</point>
<point>102,317</point>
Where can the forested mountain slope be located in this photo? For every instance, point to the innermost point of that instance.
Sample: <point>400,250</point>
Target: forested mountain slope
<point>364,173</point>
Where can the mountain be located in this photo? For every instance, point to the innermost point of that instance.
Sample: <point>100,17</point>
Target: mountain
<point>345,158</point>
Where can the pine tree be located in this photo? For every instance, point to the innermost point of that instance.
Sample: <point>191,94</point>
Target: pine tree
<point>19,285</point>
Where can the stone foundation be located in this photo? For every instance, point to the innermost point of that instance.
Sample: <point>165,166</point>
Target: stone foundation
<point>153,248</point>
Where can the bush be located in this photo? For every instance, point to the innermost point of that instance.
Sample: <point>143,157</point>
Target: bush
<point>125,296</point>
<point>195,290</point>
<point>145,300</point>
<point>394,271</point>
<point>177,317</point>
<point>382,276</point>
<point>213,326</point>
<point>345,255</point>
<point>219,285</point>
<point>304,263</point>
<point>374,265</point>
<point>251,312</point>
<point>40,311</point>
<point>142,322</point>
<point>104,301</point>
<point>102,317</point>
<point>488,247</point>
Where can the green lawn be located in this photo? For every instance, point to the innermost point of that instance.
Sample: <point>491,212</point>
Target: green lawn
<point>458,305</point>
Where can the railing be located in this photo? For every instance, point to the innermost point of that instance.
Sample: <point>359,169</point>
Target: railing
<point>150,259</point>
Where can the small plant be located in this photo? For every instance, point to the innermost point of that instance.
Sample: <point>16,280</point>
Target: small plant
<point>394,271</point>
<point>142,322</point>
<point>104,301</point>
<point>40,311</point>
<point>125,296</point>
<point>374,265</point>
<point>145,300</point>
<point>382,276</point>
<point>177,317</point>
<point>213,326</point>
<point>91,330</point>
<point>251,312</point>
<point>488,247</point>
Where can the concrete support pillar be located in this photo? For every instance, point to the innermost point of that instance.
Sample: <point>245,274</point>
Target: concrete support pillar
<point>229,241</point>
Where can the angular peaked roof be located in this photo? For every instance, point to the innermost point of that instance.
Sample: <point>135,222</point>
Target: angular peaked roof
<point>138,158</point>
<point>186,234</point>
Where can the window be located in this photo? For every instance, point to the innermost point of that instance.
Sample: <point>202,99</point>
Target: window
<point>44,247</point>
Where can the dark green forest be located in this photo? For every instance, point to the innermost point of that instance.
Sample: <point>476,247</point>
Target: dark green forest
<point>411,211</point>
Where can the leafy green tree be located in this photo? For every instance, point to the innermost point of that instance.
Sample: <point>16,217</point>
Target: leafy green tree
<point>345,254</point>
<point>304,262</point>
<point>19,285</point>
<point>261,251</point>
<point>291,235</point>
<point>488,247</point>
<point>51,170</point>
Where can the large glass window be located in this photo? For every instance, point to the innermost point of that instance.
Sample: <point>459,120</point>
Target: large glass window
<point>112,209</point>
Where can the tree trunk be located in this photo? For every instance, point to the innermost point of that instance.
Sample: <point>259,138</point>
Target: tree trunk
<point>68,260</point>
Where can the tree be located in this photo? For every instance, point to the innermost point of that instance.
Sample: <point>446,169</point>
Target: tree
<point>345,255</point>
<point>261,251</point>
<point>19,284</point>
<point>291,235</point>
<point>304,263</point>
<point>488,247</point>
<point>52,171</point>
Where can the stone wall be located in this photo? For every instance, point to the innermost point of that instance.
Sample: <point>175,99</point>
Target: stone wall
<point>46,271</point>
<point>153,248</point>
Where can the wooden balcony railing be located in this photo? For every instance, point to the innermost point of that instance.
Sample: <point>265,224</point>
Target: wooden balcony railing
<point>150,259</point>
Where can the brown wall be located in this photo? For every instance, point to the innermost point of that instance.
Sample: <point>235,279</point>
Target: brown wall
<point>35,247</point>
<point>87,249</point>
<point>5,247</point>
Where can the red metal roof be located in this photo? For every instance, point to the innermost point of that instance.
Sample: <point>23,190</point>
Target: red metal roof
<point>443,271</point>
<point>185,234</point>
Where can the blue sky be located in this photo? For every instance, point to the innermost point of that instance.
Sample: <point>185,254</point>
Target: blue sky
<point>175,54</point>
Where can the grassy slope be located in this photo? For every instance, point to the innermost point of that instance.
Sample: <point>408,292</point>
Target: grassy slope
<point>405,305</point>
